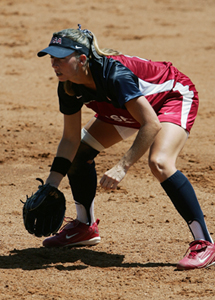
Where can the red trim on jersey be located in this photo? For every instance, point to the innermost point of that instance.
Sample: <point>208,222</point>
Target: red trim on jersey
<point>171,94</point>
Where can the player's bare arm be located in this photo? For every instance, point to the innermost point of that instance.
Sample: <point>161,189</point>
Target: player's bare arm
<point>68,145</point>
<point>142,111</point>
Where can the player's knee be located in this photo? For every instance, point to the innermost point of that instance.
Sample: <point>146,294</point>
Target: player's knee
<point>84,156</point>
<point>159,164</point>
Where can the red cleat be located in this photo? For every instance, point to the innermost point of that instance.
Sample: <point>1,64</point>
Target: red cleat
<point>75,233</point>
<point>201,255</point>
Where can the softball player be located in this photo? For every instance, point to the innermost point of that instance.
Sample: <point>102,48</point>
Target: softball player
<point>129,95</point>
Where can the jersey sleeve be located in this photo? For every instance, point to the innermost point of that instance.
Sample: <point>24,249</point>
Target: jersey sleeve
<point>68,105</point>
<point>123,83</point>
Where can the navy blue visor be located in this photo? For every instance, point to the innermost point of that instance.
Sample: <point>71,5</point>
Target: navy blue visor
<point>61,47</point>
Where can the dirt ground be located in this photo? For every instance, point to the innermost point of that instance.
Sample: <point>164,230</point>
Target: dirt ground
<point>143,237</point>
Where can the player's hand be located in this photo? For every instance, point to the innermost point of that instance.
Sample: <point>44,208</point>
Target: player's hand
<point>112,177</point>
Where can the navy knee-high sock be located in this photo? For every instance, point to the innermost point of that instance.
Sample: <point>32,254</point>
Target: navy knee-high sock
<point>83,178</point>
<point>183,196</point>
<point>83,184</point>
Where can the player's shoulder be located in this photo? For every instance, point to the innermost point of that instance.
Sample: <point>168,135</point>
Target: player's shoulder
<point>134,64</point>
<point>126,60</point>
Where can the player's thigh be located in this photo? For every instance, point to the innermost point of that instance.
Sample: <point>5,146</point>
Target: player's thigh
<point>168,143</point>
<point>104,133</point>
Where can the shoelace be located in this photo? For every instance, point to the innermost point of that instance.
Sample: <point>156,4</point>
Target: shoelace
<point>196,247</point>
<point>67,220</point>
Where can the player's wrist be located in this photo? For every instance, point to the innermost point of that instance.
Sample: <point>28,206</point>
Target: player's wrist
<point>54,179</point>
<point>124,164</point>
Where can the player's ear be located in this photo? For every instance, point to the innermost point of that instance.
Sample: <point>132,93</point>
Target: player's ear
<point>83,59</point>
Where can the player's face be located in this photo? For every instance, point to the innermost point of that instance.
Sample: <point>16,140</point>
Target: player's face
<point>66,68</point>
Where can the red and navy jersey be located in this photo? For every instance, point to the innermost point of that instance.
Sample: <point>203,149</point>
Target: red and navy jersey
<point>119,79</point>
<point>155,79</point>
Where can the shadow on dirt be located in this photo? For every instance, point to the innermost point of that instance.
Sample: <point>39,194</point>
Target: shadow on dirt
<point>43,258</point>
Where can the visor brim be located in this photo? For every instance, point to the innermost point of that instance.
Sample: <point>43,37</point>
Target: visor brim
<point>56,51</point>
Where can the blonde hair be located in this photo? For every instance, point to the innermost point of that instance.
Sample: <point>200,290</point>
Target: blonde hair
<point>85,38</point>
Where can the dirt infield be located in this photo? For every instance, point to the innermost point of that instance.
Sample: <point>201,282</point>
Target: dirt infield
<point>142,235</point>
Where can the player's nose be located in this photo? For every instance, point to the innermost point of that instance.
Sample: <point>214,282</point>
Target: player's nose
<point>54,62</point>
